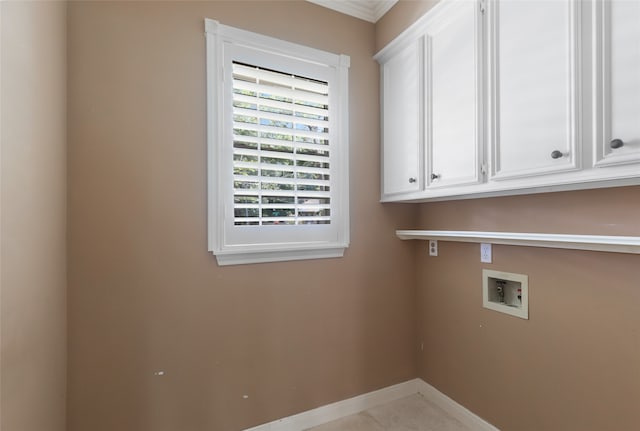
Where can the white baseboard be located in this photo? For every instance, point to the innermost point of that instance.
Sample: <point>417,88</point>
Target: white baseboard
<point>456,410</point>
<point>340,409</point>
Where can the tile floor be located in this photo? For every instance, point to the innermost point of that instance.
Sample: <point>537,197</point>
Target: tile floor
<point>413,413</point>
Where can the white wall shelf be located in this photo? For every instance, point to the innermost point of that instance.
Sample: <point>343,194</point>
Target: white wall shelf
<point>614,244</point>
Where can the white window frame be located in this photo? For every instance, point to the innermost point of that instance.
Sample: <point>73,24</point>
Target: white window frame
<point>256,244</point>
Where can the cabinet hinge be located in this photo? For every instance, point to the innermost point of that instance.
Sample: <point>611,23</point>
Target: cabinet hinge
<point>483,169</point>
<point>482,6</point>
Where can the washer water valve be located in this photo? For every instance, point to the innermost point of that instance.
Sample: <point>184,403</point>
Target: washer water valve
<point>506,292</point>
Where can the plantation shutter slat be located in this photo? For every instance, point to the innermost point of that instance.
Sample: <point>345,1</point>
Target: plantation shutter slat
<point>306,208</point>
<point>287,133</point>
<point>281,157</point>
<point>284,118</point>
<point>274,105</point>
<point>296,97</point>
<point>288,168</point>
<point>282,220</point>
<point>282,146</point>
<point>280,193</point>
<point>265,153</point>
<point>280,180</point>
<point>279,78</point>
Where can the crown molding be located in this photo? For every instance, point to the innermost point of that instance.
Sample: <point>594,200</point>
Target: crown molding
<point>368,10</point>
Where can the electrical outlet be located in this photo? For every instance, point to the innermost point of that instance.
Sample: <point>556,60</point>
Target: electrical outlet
<point>433,247</point>
<point>485,253</point>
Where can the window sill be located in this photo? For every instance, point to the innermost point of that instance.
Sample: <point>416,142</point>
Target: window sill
<point>246,257</point>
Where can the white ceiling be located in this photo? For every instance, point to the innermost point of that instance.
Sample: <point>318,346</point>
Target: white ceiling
<point>368,10</point>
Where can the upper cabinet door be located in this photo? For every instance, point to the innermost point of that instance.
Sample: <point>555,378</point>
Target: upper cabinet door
<point>617,82</point>
<point>534,87</point>
<point>401,118</point>
<point>453,95</point>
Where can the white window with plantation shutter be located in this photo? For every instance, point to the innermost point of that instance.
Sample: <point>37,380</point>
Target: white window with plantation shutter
<point>278,148</point>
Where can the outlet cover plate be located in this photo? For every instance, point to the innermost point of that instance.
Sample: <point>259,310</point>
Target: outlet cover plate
<point>485,253</point>
<point>433,247</point>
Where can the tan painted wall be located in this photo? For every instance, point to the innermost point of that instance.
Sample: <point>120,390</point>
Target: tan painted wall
<point>33,216</point>
<point>399,17</point>
<point>144,293</point>
<point>575,364</point>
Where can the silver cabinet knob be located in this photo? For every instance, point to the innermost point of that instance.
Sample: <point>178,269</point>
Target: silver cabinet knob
<point>556,154</point>
<point>435,176</point>
<point>412,180</point>
<point>616,143</point>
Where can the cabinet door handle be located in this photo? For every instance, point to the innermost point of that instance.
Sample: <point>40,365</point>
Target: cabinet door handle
<point>616,143</point>
<point>412,180</point>
<point>435,176</point>
<point>556,154</point>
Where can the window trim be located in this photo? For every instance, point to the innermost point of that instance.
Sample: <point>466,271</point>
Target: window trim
<point>220,40</point>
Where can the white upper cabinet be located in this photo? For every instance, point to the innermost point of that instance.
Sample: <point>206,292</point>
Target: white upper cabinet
<point>453,95</point>
<point>534,87</point>
<point>617,82</point>
<point>401,74</point>
<point>498,97</point>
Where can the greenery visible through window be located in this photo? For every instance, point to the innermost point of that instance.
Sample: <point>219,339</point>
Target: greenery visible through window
<point>281,169</point>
